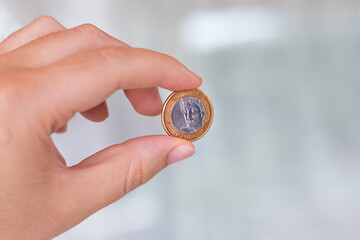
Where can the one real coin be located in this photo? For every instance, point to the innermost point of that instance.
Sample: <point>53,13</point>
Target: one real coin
<point>187,114</point>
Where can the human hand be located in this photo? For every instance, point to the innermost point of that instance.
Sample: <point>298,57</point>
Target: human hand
<point>47,74</point>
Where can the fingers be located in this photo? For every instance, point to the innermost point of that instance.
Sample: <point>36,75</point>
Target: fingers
<point>108,175</point>
<point>62,129</point>
<point>84,80</point>
<point>41,26</point>
<point>145,101</point>
<point>48,47</point>
<point>59,45</point>
<point>98,113</point>
<point>64,43</point>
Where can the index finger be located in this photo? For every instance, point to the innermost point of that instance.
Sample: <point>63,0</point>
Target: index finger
<point>84,80</point>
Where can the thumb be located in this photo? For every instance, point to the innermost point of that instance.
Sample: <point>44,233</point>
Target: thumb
<point>111,173</point>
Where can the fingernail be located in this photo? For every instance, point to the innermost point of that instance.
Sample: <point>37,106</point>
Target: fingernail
<point>106,110</point>
<point>196,75</point>
<point>160,102</point>
<point>179,153</point>
<point>198,78</point>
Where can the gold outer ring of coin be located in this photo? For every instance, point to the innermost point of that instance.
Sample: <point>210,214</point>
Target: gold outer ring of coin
<point>168,106</point>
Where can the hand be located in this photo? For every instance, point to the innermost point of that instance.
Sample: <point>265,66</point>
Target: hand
<point>47,74</point>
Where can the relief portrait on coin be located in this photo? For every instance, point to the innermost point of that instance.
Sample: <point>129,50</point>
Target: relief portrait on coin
<point>188,114</point>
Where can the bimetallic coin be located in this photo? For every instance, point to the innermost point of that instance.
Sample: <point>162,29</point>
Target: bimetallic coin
<point>187,114</point>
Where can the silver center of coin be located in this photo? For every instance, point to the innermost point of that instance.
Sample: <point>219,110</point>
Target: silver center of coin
<point>188,114</point>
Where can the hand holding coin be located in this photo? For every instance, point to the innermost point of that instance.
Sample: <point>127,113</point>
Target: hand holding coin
<point>47,74</point>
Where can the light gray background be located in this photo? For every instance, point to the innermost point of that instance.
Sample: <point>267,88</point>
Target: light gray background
<point>282,159</point>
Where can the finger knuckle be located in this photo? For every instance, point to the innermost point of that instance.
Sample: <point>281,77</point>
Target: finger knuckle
<point>88,29</point>
<point>8,106</point>
<point>9,92</point>
<point>46,20</point>
<point>113,52</point>
<point>135,176</point>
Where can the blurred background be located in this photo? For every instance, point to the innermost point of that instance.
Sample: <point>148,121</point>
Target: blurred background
<point>282,159</point>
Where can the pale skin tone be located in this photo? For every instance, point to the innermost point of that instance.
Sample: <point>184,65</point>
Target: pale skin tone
<point>47,74</point>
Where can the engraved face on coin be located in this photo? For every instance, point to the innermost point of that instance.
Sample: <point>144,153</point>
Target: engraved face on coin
<point>187,114</point>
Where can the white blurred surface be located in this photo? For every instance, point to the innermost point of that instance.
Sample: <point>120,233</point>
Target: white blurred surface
<point>282,159</point>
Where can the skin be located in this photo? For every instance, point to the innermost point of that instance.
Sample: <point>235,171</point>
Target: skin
<point>49,73</point>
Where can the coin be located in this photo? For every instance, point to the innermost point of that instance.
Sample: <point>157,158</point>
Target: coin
<point>187,114</point>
